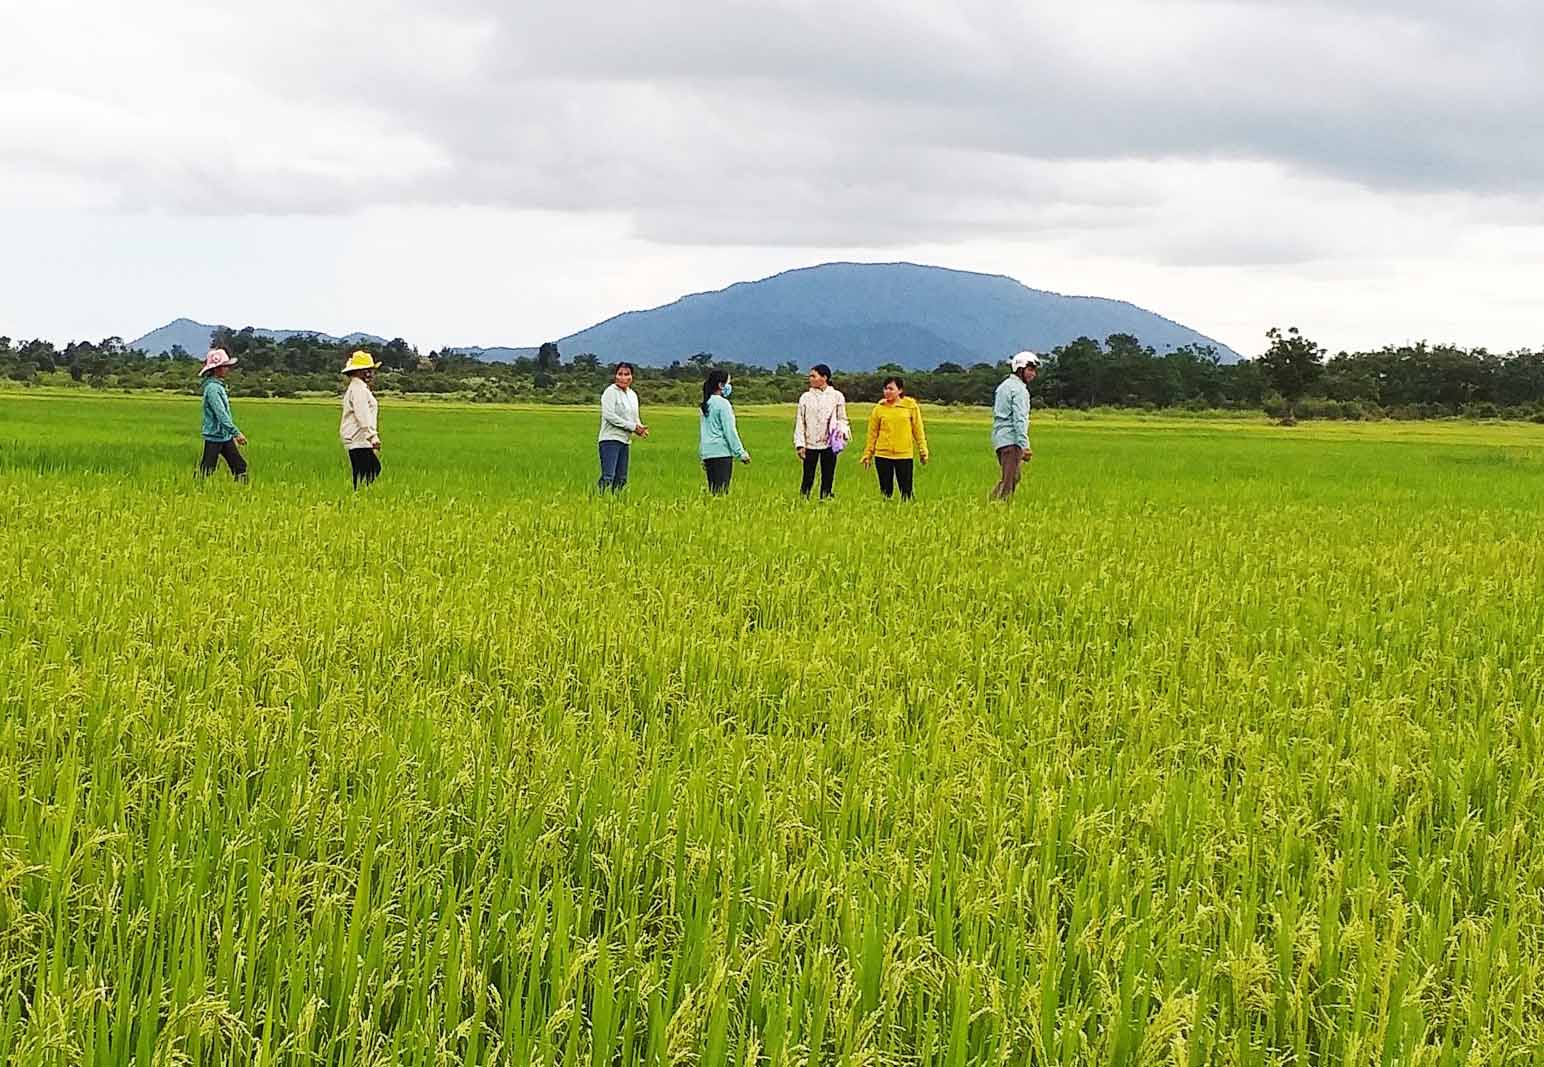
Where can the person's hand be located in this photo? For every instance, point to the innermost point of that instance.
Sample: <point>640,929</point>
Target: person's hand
<point>801,452</point>
<point>866,460</point>
<point>241,439</point>
<point>641,430</point>
<point>924,459</point>
<point>1029,454</point>
<point>745,458</point>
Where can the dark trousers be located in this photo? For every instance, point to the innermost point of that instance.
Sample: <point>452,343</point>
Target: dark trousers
<point>213,450</point>
<point>1011,459</point>
<point>366,465</point>
<point>893,472</point>
<point>825,459</point>
<point>719,472</point>
<point>613,465</point>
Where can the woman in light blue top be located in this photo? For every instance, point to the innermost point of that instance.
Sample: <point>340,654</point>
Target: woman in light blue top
<point>718,444</point>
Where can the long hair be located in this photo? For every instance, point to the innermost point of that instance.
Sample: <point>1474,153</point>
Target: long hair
<point>711,384</point>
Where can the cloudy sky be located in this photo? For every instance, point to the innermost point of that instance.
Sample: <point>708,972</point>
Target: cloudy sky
<point>487,172</point>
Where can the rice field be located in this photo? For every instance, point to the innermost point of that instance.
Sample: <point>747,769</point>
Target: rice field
<point>1220,745</point>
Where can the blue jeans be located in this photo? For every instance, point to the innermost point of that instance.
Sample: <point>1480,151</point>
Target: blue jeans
<point>613,465</point>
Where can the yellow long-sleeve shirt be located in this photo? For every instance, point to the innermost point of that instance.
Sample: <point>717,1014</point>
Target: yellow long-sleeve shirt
<point>894,430</point>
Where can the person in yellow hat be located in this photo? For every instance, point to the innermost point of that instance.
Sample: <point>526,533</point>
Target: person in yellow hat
<point>358,428</point>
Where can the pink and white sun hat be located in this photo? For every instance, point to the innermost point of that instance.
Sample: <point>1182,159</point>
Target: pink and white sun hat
<point>217,357</point>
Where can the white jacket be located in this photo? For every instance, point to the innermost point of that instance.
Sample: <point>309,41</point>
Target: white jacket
<point>358,426</point>
<point>820,410</point>
<point>618,414</point>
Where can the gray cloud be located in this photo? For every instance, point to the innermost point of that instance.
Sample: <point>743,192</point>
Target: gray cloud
<point>1178,127</point>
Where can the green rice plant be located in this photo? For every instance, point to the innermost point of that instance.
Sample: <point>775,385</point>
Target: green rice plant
<point>1220,744</point>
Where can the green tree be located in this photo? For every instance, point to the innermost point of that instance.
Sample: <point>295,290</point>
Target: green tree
<point>1291,365</point>
<point>1078,377</point>
<point>39,353</point>
<point>548,358</point>
<point>398,354</point>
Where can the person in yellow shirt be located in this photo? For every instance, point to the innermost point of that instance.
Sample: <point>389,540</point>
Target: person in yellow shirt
<point>894,436</point>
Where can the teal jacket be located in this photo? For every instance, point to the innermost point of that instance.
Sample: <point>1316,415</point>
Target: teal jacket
<point>218,424</point>
<point>716,436</point>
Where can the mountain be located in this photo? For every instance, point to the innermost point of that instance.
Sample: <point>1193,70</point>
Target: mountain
<point>853,316</point>
<point>194,337</point>
<point>498,354</point>
<point>856,316</point>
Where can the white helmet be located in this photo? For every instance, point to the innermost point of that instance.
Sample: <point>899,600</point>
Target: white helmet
<point>1025,359</point>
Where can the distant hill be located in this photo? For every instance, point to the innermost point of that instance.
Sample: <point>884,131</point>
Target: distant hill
<point>853,316</point>
<point>194,337</point>
<point>856,316</point>
<point>499,354</point>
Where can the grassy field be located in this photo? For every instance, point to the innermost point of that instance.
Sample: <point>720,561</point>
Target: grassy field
<point>1222,744</point>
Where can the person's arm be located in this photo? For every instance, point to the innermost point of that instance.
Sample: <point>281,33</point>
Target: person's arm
<point>731,435</point>
<point>611,412</point>
<point>1021,419</point>
<point>221,406</point>
<point>873,435</point>
<point>916,429</point>
<point>800,440</point>
<point>841,415</point>
<point>367,419</point>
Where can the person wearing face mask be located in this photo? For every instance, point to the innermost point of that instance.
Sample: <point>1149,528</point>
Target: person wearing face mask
<point>820,430</point>
<point>1010,423</point>
<point>894,435</point>
<point>718,443</point>
<point>358,427</point>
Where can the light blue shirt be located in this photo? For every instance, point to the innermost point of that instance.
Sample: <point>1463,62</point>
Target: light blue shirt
<point>1010,413</point>
<point>716,437</point>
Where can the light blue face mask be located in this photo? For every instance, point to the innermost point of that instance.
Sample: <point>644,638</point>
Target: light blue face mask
<point>726,391</point>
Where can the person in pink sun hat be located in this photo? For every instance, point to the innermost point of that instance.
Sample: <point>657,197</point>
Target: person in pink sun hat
<point>221,437</point>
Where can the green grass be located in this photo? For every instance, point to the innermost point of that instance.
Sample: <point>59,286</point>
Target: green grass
<point>1222,744</point>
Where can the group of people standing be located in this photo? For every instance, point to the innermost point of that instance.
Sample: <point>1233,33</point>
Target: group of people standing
<point>358,427</point>
<point>896,439</point>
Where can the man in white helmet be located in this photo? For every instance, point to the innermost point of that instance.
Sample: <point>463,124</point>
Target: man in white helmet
<point>1010,423</point>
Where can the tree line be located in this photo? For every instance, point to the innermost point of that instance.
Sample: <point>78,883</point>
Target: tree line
<point>1293,377</point>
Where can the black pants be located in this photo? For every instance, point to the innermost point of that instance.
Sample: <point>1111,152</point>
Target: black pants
<point>213,450</point>
<point>826,460</point>
<point>366,465</point>
<point>719,472</point>
<point>892,471</point>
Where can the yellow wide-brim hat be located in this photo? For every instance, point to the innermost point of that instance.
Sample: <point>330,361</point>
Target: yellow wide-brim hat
<point>360,361</point>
